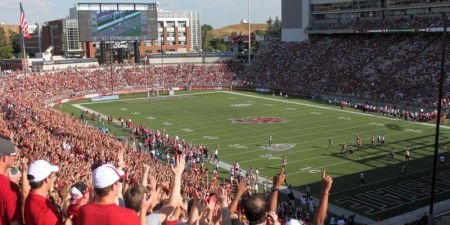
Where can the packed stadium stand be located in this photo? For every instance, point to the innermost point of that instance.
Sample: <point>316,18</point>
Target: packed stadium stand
<point>389,68</point>
<point>395,71</point>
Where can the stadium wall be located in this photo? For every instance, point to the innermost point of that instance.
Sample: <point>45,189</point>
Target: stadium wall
<point>57,101</point>
<point>196,60</point>
<point>295,19</point>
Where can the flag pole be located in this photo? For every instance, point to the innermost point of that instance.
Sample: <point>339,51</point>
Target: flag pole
<point>23,32</point>
<point>24,58</point>
<point>23,27</point>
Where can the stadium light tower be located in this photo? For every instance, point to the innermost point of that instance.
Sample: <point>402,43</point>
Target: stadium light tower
<point>162,61</point>
<point>146,76</point>
<point>249,36</point>
<point>110,63</point>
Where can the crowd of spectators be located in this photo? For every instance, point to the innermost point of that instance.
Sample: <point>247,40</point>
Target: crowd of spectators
<point>399,23</point>
<point>51,86</point>
<point>55,169</point>
<point>399,71</point>
<point>362,25</point>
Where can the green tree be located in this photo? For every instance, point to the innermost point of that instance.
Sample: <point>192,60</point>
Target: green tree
<point>273,27</point>
<point>207,27</point>
<point>206,37</point>
<point>255,45</point>
<point>14,40</point>
<point>259,32</point>
<point>277,27</point>
<point>269,24</point>
<point>5,46</point>
<point>6,52</point>
<point>220,45</point>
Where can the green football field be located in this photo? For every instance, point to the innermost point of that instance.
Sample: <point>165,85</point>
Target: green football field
<point>240,123</point>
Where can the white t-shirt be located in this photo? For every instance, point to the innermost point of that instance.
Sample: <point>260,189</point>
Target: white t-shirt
<point>340,222</point>
<point>333,221</point>
<point>153,219</point>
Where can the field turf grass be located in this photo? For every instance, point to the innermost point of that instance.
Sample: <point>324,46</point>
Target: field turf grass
<point>207,118</point>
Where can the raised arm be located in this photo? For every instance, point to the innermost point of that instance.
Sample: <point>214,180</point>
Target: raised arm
<point>175,195</point>
<point>145,176</point>
<point>223,200</point>
<point>278,181</point>
<point>242,187</point>
<point>321,212</point>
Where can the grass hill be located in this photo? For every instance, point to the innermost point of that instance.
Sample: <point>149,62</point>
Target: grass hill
<point>238,28</point>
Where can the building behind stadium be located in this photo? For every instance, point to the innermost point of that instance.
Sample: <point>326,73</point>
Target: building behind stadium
<point>177,32</point>
<point>337,16</point>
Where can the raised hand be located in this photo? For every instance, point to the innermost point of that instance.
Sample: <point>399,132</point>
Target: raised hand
<point>222,197</point>
<point>24,165</point>
<point>146,168</point>
<point>152,183</point>
<point>272,218</point>
<point>180,165</point>
<point>120,158</point>
<point>242,186</point>
<point>279,179</point>
<point>327,182</point>
<point>196,195</point>
<point>146,203</point>
<point>211,202</point>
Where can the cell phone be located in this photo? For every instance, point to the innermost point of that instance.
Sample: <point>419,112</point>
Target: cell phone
<point>13,171</point>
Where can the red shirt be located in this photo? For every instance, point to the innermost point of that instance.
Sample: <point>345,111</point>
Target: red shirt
<point>172,222</point>
<point>96,214</point>
<point>41,211</point>
<point>73,210</point>
<point>10,201</point>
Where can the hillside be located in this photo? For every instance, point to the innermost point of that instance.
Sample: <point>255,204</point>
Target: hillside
<point>238,28</point>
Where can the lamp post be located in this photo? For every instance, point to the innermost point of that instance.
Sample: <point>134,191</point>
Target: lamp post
<point>111,66</point>
<point>146,76</point>
<point>162,61</point>
<point>249,36</point>
<point>39,37</point>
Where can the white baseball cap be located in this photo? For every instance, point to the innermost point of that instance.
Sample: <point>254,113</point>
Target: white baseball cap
<point>39,170</point>
<point>294,222</point>
<point>106,175</point>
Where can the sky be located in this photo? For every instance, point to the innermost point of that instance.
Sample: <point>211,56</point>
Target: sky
<point>214,12</point>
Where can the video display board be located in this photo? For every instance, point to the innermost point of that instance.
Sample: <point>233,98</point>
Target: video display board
<point>117,22</point>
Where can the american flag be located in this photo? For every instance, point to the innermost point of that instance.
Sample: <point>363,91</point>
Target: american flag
<point>23,24</point>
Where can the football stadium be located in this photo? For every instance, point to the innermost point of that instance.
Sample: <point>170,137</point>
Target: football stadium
<point>341,119</point>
